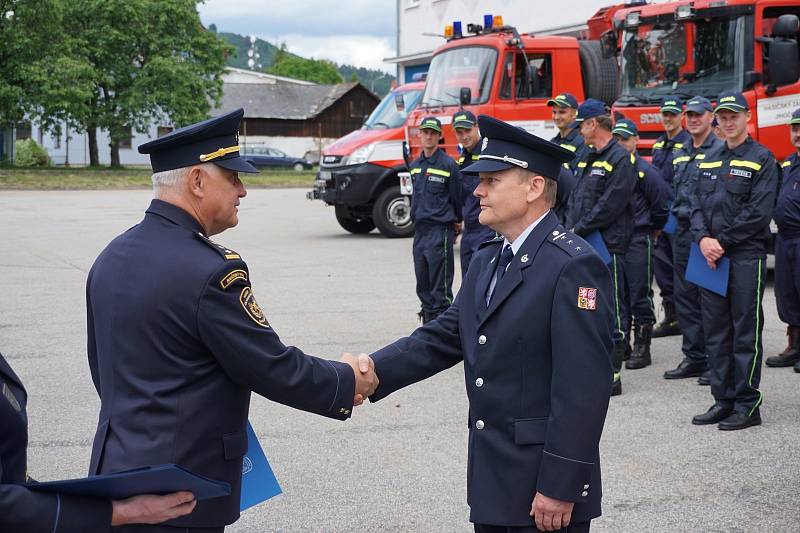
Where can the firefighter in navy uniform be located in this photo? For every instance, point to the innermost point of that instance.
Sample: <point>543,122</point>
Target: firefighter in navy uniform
<point>602,201</point>
<point>436,205</point>
<point>651,205</point>
<point>565,109</point>
<point>787,253</point>
<point>731,210</point>
<point>699,119</point>
<point>465,126</point>
<point>664,151</point>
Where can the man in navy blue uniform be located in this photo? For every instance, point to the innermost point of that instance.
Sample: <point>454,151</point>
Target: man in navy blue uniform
<point>565,109</point>
<point>602,202</point>
<point>177,339</point>
<point>664,151</point>
<point>651,204</point>
<point>29,511</point>
<point>532,324</point>
<point>731,209</point>
<point>685,174</point>
<point>436,205</point>
<point>465,126</point>
<point>787,253</point>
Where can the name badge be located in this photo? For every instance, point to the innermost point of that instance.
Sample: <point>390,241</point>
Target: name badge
<point>11,398</point>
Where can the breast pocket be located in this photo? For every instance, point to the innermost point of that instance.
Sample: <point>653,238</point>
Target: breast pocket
<point>738,189</point>
<point>436,185</point>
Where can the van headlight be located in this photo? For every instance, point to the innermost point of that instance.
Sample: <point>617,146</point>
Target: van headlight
<point>361,155</point>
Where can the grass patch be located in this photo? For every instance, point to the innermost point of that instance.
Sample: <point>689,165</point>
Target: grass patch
<point>87,178</point>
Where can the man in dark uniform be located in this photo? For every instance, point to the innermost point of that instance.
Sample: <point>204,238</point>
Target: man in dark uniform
<point>664,150</point>
<point>787,252</point>
<point>465,126</point>
<point>602,201</point>
<point>435,209</point>
<point>731,209</point>
<point>176,338</point>
<point>22,509</point>
<point>532,324</point>
<point>651,204</point>
<point>699,117</point>
<point>565,109</point>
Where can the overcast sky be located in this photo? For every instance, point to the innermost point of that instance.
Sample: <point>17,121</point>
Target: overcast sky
<point>355,32</point>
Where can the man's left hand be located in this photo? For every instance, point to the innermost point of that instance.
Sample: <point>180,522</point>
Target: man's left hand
<point>551,514</point>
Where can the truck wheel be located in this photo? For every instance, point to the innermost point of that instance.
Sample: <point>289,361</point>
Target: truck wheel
<point>392,214</point>
<point>352,223</point>
<point>599,74</point>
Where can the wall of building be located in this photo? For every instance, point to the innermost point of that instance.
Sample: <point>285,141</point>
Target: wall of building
<point>78,152</point>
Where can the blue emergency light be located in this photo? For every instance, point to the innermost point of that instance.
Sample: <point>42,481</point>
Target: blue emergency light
<point>457,29</point>
<point>487,22</point>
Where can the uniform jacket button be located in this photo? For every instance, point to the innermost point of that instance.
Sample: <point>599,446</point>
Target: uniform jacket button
<point>479,382</point>
<point>482,339</point>
<point>586,487</point>
<point>584,493</point>
<point>479,424</point>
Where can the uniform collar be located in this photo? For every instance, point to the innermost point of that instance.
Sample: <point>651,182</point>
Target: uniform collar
<point>519,241</point>
<point>476,150</point>
<point>741,149</point>
<point>606,148</point>
<point>433,156</point>
<point>176,215</point>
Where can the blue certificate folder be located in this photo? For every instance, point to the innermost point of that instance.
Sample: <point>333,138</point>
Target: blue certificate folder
<point>672,224</point>
<point>699,273</point>
<point>161,479</point>
<point>258,481</point>
<point>599,245</point>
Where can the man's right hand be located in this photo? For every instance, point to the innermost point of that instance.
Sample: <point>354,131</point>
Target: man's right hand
<point>366,379</point>
<point>151,509</point>
<point>711,249</point>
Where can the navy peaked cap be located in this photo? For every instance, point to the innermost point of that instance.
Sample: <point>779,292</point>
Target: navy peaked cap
<point>215,140</point>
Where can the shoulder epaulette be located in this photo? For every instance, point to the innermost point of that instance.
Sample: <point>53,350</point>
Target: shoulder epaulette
<point>496,240</point>
<point>226,253</point>
<point>569,242</point>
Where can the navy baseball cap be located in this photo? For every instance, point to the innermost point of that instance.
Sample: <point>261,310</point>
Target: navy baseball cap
<point>625,128</point>
<point>563,100</point>
<point>671,104</point>
<point>589,109</point>
<point>699,105</point>
<point>505,146</point>
<point>431,123</point>
<point>464,119</point>
<point>795,117</point>
<point>732,101</point>
<point>215,140</point>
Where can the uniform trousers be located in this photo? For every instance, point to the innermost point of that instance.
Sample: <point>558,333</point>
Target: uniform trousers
<point>583,527</point>
<point>622,316</point>
<point>733,325</point>
<point>663,268</point>
<point>787,279</point>
<point>687,299</point>
<point>639,278</point>
<point>434,266</point>
<point>471,238</point>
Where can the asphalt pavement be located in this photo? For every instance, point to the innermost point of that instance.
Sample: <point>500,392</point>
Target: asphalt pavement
<point>398,465</point>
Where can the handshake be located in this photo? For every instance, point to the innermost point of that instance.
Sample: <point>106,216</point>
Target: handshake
<point>366,379</point>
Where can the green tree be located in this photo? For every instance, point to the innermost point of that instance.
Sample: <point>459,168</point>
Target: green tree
<point>316,70</point>
<point>142,61</point>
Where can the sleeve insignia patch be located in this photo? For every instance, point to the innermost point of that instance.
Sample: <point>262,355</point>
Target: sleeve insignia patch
<point>587,298</point>
<point>251,307</point>
<point>232,277</point>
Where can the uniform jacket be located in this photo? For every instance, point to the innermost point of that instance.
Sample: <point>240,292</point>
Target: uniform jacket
<point>176,343</point>
<point>574,143</point>
<point>437,193</point>
<point>538,376</point>
<point>650,197</point>
<point>685,175</point>
<point>735,197</point>
<point>566,183</point>
<point>665,150</point>
<point>787,211</point>
<point>602,198</point>
<point>23,510</point>
<point>471,205</point>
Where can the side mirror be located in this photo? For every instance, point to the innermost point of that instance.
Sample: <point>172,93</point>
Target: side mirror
<point>608,44</point>
<point>784,60</point>
<point>399,102</point>
<point>465,96</point>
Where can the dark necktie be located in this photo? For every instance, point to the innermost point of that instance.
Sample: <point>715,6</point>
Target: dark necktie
<point>505,259</point>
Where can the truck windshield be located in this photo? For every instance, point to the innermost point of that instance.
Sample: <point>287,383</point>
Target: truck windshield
<point>697,57</point>
<point>387,116</point>
<point>454,69</point>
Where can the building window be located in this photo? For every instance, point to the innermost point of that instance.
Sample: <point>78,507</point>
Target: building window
<point>23,131</point>
<point>57,142</point>
<point>41,136</point>
<point>163,130</point>
<point>125,139</point>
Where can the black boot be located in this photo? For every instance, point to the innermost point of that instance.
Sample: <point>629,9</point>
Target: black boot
<point>668,326</point>
<point>616,361</point>
<point>640,357</point>
<point>791,354</point>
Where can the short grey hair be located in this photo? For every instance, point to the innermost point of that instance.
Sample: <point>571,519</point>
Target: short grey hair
<point>168,179</point>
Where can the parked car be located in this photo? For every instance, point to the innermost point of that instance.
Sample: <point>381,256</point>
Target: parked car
<point>262,156</point>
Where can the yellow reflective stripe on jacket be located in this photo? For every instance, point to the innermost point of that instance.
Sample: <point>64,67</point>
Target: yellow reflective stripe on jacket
<point>437,172</point>
<point>682,159</point>
<point>460,160</point>
<point>700,156</point>
<point>476,157</point>
<point>713,164</point>
<point>604,164</point>
<point>659,144</point>
<point>677,146</point>
<point>746,164</point>
<point>641,175</point>
<point>568,147</point>
<point>633,159</point>
<point>786,164</point>
<point>416,170</point>
<point>582,164</point>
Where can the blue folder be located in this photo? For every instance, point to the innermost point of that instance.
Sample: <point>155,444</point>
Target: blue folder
<point>160,479</point>
<point>671,225</point>
<point>599,245</point>
<point>258,480</point>
<point>699,273</point>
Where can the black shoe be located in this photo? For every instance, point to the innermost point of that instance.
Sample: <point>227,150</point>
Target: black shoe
<point>740,421</point>
<point>686,369</point>
<point>705,378</point>
<point>640,357</point>
<point>791,354</point>
<point>714,415</point>
<point>797,367</point>
<point>616,388</point>
<point>667,328</point>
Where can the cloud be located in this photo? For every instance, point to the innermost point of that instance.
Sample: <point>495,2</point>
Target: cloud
<point>359,51</point>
